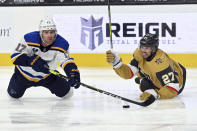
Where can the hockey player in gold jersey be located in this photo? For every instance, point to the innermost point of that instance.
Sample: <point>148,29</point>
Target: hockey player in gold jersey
<point>157,74</point>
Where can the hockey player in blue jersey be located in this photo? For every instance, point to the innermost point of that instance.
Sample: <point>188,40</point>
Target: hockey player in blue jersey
<point>35,54</point>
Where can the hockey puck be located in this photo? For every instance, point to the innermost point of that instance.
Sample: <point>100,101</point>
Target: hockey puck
<point>125,106</point>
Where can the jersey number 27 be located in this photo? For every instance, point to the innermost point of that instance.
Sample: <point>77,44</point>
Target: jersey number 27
<point>167,78</point>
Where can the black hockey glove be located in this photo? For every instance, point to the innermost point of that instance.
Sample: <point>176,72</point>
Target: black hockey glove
<point>73,74</point>
<point>38,64</point>
<point>145,84</point>
<point>74,79</point>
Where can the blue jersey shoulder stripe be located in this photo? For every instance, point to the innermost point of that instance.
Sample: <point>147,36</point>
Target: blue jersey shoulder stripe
<point>58,49</point>
<point>33,37</point>
<point>33,44</point>
<point>60,43</point>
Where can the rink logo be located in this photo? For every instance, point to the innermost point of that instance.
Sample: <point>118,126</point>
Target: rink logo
<point>5,32</point>
<point>91,32</point>
<point>140,29</point>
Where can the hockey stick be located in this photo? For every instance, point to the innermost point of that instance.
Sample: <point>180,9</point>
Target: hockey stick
<point>145,103</point>
<point>110,32</point>
<point>149,101</point>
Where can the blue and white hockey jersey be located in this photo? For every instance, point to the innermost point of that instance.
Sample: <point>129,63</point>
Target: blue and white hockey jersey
<point>30,45</point>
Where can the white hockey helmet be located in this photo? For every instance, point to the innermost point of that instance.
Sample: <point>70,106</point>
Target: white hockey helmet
<point>47,24</point>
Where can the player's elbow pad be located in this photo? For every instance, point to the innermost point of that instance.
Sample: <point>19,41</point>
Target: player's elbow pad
<point>20,59</point>
<point>169,91</point>
<point>173,86</point>
<point>126,71</point>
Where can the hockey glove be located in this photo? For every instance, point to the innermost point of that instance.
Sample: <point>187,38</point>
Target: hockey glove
<point>38,64</point>
<point>146,94</point>
<point>74,79</point>
<point>113,58</point>
<point>147,87</point>
<point>73,74</point>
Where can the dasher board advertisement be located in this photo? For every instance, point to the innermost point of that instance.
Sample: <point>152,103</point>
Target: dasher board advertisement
<point>90,2</point>
<point>6,31</point>
<point>89,33</point>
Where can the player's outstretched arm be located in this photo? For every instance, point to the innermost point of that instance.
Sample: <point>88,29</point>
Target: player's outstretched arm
<point>125,71</point>
<point>21,54</point>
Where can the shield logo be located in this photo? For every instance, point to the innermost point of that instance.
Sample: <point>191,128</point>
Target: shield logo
<point>91,32</point>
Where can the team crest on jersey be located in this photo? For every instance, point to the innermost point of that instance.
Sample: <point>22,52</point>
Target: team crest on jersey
<point>158,61</point>
<point>35,50</point>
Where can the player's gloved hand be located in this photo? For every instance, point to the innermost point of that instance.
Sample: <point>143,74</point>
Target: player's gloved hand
<point>147,93</point>
<point>113,58</point>
<point>72,72</point>
<point>144,85</point>
<point>74,78</point>
<point>144,96</point>
<point>38,64</point>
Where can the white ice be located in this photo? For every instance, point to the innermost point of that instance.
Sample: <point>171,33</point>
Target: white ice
<point>87,110</point>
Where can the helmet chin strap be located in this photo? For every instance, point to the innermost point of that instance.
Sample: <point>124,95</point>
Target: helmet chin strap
<point>45,42</point>
<point>152,55</point>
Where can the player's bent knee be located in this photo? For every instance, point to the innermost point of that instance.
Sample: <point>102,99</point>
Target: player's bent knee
<point>69,94</point>
<point>63,92</point>
<point>14,94</point>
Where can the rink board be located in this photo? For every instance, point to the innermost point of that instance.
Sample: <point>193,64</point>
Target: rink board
<point>98,59</point>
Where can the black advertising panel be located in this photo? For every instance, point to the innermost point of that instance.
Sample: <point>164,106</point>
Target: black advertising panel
<point>90,2</point>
